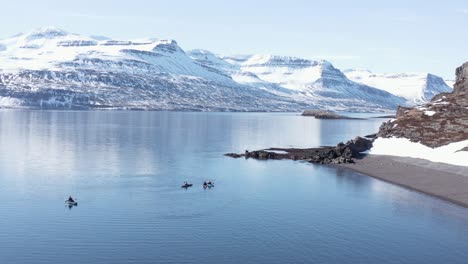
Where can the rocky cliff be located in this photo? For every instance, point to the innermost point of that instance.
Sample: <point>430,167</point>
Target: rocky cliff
<point>461,82</point>
<point>442,121</point>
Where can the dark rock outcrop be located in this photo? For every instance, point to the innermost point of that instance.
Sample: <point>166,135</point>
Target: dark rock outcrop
<point>463,149</point>
<point>401,110</point>
<point>359,145</point>
<point>385,116</point>
<point>233,155</point>
<point>341,153</point>
<point>461,82</point>
<point>371,136</point>
<point>323,114</point>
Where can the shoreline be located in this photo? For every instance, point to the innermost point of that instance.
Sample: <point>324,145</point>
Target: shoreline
<point>440,180</point>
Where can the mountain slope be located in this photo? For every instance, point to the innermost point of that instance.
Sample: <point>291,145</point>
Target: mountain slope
<point>51,68</point>
<point>416,88</point>
<point>316,81</point>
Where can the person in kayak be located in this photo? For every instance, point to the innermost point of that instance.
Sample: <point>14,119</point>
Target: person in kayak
<point>209,183</point>
<point>204,183</point>
<point>70,199</point>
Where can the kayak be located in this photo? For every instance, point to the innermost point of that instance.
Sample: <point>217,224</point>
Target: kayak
<point>71,203</point>
<point>187,185</point>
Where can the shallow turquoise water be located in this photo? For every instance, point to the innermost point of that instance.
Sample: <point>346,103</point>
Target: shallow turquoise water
<point>126,168</point>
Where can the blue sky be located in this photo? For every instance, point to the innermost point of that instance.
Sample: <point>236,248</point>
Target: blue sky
<point>383,36</point>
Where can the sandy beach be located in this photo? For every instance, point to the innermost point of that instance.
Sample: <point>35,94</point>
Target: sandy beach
<point>447,182</point>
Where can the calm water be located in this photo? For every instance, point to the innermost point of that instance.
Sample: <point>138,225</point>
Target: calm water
<point>126,169</point>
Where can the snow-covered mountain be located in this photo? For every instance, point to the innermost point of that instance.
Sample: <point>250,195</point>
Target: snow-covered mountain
<point>299,78</point>
<point>51,68</point>
<point>315,79</point>
<point>415,87</point>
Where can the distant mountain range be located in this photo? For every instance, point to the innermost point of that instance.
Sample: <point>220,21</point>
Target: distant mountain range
<point>51,68</point>
<point>416,88</point>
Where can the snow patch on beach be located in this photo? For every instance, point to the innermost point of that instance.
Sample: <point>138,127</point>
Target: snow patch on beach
<point>403,147</point>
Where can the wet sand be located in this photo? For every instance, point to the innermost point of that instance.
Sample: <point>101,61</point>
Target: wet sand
<point>447,182</point>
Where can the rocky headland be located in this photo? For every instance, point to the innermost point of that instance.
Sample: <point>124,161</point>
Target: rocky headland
<point>442,121</point>
<point>341,153</point>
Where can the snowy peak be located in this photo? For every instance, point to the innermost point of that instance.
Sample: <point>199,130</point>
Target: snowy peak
<point>329,71</point>
<point>99,38</point>
<point>45,33</point>
<point>55,49</point>
<point>434,86</point>
<point>49,67</point>
<point>43,37</point>
<point>202,54</point>
<point>314,80</point>
<point>167,46</point>
<point>414,87</point>
<point>289,72</point>
<point>209,59</point>
<point>277,61</point>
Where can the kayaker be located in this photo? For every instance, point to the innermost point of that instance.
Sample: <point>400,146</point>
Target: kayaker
<point>204,183</point>
<point>209,183</point>
<point>70,199</point>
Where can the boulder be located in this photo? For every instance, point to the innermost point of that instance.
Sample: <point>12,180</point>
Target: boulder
<point>401,110</point>
<point>347,153</point>
<point>359,145</point>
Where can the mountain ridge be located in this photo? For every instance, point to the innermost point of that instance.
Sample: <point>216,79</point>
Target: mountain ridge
<point>416,88</point>
<point>52,68</point>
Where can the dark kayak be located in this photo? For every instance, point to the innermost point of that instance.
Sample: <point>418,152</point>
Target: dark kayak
<point>187,185</point>
<point>71,203</point>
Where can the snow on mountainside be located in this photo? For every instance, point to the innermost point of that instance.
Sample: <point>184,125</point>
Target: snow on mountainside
<point>318,81</point>
<point>52,68</point>
<point>450,83</point>
<point>417,88</point>
<point>289,72</point>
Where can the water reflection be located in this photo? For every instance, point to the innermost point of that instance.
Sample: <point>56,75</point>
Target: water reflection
<point>405,201</point>
<point>61,143</point>
<point>127,169</point>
